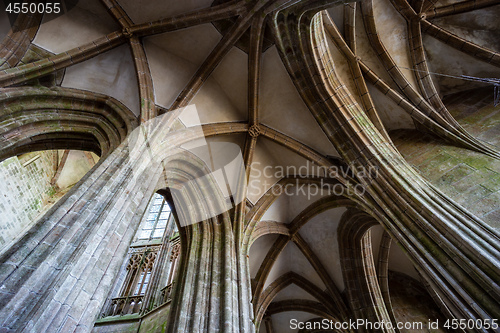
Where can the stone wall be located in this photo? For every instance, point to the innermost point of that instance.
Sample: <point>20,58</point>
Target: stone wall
<point>24,191</point>
<point>154,321</point>
<point>411,304</point>
<point>471,179</point>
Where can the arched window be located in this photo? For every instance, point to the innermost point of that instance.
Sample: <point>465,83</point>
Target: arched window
<point>151,262</point>
<point>156,220</point>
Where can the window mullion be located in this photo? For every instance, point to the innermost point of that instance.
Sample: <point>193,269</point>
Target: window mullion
<point>156,220</point>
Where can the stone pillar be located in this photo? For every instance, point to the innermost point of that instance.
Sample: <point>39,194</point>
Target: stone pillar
<point>206,289</point>
<point>206,292</point>
<point>452,249</point>
<point>358,269</point>
<point>59,274</point>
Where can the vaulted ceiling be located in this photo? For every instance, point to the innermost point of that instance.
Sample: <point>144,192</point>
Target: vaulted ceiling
<point>140,58</point>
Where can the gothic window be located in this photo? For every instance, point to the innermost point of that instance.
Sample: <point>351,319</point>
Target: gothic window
<point>175,250</point>
<point>143,277</point>
<point>156,220</point>
<point>143,282</point>
<point>140,266</point>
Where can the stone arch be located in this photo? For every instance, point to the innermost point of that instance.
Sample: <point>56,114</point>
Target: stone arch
<point>61,118</point>
<point>281,283</point>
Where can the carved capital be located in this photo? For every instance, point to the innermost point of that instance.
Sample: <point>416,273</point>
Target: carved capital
<point>127,33</point>
<point>254,131</point>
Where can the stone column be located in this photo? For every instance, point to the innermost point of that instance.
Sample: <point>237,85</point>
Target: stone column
<point>455,251</point>
<point>59,274</point>
<point>206,294</point>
